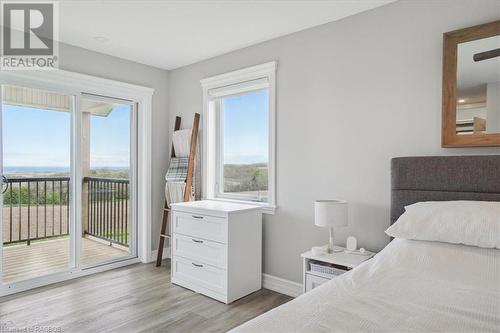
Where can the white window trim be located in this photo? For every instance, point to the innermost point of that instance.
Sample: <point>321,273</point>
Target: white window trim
<point>76,83</point>
<point>268,71</point>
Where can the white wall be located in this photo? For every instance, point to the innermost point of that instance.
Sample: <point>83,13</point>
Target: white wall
<point>493,107</point>
<point>465,114</point>
<point>80,60</point>
<point>351,95</point>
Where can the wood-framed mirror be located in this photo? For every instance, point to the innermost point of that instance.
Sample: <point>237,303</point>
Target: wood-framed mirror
<point>471,87</point>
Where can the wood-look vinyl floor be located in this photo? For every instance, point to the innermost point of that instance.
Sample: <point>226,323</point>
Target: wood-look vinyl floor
<point>22,262</point>
<point>136,298</point>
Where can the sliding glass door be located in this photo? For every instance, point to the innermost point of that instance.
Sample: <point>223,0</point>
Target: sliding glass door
<point>108,136</point>
<point>68,201</point>
<point>37,191</point>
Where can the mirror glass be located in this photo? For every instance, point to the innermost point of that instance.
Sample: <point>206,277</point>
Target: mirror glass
<point>478,86</point>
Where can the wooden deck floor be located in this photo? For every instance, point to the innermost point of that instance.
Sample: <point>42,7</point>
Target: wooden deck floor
<point>21,261</point>
<point>136,298</point>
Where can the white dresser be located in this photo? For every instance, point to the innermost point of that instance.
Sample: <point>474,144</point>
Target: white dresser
<point>217,248</point>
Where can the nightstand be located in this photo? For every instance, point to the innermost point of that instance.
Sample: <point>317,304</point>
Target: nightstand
<point>337,263</point>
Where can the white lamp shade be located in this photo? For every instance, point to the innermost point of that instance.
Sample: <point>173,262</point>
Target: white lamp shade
<point>330,213</point>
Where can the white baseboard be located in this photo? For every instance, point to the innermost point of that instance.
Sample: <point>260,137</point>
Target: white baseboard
<point>154,253</point>
<point>282,286</point>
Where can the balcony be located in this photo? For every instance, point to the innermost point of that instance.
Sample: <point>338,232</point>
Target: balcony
<point>36,224</point>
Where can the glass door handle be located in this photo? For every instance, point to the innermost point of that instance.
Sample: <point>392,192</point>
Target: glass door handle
<point>5,184</point>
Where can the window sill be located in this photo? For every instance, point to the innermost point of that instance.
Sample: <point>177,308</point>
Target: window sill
<point>266,208</point>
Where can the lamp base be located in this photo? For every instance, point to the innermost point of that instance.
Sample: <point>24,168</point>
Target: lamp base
<point>336,249</point>
<point>332,248</point>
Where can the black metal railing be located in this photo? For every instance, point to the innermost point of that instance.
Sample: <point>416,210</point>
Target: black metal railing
<point>35,208</point>
<point>108,209</point>
<point>38,208</point>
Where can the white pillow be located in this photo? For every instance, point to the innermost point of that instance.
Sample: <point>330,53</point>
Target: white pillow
<point>475,223</point>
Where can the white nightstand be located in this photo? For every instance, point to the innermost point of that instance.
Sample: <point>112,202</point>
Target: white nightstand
<point>340,261</point>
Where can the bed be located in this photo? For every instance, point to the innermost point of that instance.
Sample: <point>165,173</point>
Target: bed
<point>416,286</point>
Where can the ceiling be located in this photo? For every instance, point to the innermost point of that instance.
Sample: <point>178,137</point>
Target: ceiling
<point>48,100</point>
<point>170,34</point>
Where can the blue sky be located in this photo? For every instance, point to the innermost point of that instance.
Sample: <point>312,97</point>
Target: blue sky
<point>246,128</point>
<point>110,139</point>
<point>34,137</point>
<point>41,138</point>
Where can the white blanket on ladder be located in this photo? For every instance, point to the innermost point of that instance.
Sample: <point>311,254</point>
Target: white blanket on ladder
<point>174,190</point>
<point>181,140</point>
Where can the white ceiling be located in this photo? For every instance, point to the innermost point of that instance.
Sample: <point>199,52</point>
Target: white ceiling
<point>170,34</point>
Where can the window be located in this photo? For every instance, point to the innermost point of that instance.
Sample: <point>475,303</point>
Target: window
<point>239,136</point>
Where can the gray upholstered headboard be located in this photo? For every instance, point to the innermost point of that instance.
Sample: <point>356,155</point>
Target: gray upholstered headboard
<point>441,178</point>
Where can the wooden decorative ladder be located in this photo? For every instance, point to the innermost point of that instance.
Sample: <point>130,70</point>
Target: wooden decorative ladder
<point>165,230</point>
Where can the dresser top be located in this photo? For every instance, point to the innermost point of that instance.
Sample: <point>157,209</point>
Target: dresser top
<point>214,207</point>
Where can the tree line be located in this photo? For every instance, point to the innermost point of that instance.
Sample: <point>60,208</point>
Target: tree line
<point>245,177</point>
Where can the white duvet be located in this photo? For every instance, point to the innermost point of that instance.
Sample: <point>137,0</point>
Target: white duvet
<point>410,286</point>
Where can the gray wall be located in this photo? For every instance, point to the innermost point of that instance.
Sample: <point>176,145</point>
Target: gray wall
<point>351,95</point>
<point>88,62</point>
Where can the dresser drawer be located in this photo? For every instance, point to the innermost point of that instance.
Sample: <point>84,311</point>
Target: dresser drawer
<point>313,281</point>
<point>200,250</point>
<point>200,226</point>
<point>198,274</point>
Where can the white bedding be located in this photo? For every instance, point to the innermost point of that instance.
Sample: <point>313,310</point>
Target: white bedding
<point>414,286</point>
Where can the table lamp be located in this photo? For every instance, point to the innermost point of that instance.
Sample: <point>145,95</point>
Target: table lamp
<point>330,213</point>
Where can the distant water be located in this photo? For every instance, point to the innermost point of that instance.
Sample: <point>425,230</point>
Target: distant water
<point>49,169</point>
<point>33,169</point>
